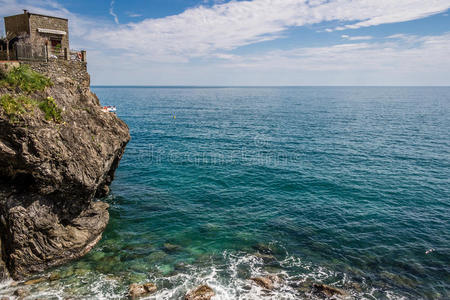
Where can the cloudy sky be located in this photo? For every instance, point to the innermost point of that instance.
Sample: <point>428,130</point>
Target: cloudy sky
<point>256,42</point>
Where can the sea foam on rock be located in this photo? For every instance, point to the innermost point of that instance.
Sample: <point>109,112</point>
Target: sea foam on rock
<point>50,173</point>
<point>203,292</point>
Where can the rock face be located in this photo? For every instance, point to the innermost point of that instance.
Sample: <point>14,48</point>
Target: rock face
<point>50,173</point>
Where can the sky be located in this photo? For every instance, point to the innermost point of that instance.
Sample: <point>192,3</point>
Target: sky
<point>256,42</point>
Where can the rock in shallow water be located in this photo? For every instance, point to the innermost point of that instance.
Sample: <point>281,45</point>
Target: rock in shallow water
<point>267,282</point>
<point>170,248</point>
<point>51,171</point>
<point>21,293</point>
<point>203,292</point>
<point>328,291</point>
<point>263,248</point>
<point>138,290</point>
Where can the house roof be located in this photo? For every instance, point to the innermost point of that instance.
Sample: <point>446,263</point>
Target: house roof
<point>48,16</point>
<point>40,16</point>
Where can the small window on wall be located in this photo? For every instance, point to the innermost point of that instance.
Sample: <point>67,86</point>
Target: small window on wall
<point>56,46</point>
<point>56,43</point>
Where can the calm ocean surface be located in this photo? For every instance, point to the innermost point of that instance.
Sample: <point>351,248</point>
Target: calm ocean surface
<point>348,186</point>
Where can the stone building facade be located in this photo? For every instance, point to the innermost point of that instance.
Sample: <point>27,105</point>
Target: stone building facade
<point>40,31</point>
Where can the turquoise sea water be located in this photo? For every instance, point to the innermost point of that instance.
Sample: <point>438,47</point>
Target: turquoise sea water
<point>348,186</point>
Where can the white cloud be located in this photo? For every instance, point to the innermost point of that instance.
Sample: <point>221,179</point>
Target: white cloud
<point>356,38</point>
<point>201,31</point>
<point>133,15</point>
<point>424,54</point>
<point>112,13</point>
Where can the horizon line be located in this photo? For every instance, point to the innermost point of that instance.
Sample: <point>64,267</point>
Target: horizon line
<point>252,86</point>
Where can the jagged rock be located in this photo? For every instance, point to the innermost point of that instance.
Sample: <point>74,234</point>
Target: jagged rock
<point>21,293</point>
<point>266,282</point>
<point>139,290</point>
<point>50,173</point>
<point>4,274</point>
<point>328,291</point>
<point>203,292</point>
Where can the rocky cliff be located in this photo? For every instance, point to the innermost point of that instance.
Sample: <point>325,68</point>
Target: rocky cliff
<point>58,151</point>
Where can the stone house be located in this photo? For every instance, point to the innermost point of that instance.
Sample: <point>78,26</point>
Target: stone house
<point>37,36</point>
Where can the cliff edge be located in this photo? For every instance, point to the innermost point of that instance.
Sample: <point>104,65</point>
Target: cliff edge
<point>58,151</point>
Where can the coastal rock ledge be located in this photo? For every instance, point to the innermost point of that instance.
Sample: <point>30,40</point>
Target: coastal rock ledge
<point>52,167</point>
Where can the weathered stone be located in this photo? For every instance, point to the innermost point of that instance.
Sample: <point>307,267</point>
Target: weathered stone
<point>4,274</point>
<point>139,290</point>
<point>21,293</point>
<point>266,282</point>
<point>203,292</point>
<point>50,173</point>
<point>34,281</point>
<point>328,291</point>
<point>54,276</point>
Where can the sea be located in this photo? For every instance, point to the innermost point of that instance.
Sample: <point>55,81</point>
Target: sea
<point>344,186</point>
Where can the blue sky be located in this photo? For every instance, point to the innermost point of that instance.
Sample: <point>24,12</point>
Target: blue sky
<point>258,42</point>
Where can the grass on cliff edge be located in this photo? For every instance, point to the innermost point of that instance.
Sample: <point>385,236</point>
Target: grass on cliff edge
<point>25,78</point>
<point>15,107</point>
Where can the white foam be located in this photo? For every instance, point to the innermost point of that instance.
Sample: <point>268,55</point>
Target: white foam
<point>229,279</point>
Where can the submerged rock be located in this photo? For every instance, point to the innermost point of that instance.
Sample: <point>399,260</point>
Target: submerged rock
<point>328,291</point>
<point>54,277</point>
<point>34,281</point>
<point>170,248</point>
<point>267,282</point>
<point>139,290</point>
<point>263,248</point>
<point>51,168</point>
<point>267,258</point>
<point>203,292</point>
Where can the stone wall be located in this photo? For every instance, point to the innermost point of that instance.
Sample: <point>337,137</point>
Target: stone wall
<point>63,69</point>
<point>39,21</point>
<point>17,25</point>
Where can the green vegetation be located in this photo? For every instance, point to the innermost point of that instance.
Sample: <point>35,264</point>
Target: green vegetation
<point>16,106</point>
<point>51,110</point>
<point>25,78</point>
<point>27,81</point>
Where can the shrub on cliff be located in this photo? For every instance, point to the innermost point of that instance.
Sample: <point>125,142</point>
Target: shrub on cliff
<point>16,106</point>
<point>51,110</point>
<point>26,79</point>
